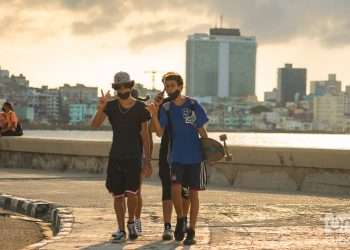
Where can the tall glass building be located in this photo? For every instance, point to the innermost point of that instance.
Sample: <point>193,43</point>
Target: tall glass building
<point>291,84</point>
<point>221,64</point>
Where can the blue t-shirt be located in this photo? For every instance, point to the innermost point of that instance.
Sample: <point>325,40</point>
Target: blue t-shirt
<point>184,122</point>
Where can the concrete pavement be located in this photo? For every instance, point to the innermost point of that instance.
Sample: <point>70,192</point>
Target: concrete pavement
<point>229,218</point>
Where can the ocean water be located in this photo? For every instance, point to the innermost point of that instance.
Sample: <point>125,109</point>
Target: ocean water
<point>328,141</point>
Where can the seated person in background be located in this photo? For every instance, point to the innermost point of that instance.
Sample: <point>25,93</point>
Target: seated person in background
<point>9,121</point>
<point>2,120</point>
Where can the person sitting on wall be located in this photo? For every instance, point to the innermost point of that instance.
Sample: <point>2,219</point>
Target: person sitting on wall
<point>9,124</point>
<point>2,120</point>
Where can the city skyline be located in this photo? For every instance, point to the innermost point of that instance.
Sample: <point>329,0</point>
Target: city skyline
<point>88,41</point>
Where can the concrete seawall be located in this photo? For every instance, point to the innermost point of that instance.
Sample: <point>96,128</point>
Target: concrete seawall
<point>284,169</point>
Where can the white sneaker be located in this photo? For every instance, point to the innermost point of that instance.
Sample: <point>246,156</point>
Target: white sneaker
<point>119,236</point>
<point>167,234</point>
<point>115,233</point>
<point>138,227</point>
<point>132,231</point>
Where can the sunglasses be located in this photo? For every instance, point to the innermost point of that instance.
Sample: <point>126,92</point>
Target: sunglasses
<point>128,85</point>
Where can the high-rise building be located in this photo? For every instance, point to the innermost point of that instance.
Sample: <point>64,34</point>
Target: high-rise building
<point>2,101</point>
<point>221,64</point>
<point>45,103</point>
<point>13,87</point>
<point>25,113</point>
<point>81,112</point>
<point>291,84</point>
<point>20,80</point>
<point>270,96</point>
<point>347,90</point>
<point>78,94</point>
<point>328,87</point>
<point>4,73</point>
<point>331,112</point>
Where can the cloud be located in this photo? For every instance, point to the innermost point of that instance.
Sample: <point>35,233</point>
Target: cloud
<point>274,21</point>
<point>151,22</point>
<point>141,39</point>
<point>100,15</point>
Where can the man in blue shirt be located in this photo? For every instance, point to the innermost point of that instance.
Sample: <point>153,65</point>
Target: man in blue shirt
<point>185,119</point>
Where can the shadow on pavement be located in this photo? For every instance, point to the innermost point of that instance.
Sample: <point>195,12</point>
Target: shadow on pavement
<point>136,245</point>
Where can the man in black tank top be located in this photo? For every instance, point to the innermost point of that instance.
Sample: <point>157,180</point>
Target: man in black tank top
<point>128,118</point>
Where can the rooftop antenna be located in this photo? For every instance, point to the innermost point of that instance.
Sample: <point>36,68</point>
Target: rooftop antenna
<point>221,21</point>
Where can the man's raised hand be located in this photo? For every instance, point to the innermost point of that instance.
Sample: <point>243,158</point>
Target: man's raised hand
<point>102,102</point>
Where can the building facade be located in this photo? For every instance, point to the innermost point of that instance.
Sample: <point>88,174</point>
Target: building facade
<point>327,87</point>
<point>291,84</point>
<point>221,64</point>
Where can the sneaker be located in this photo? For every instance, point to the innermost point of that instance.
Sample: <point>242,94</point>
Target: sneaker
<point>116,232</point>
<point>180,229</point>
<point>190,237</point>
<point>185,192</point>
<point>119,236</point>
<point>186,224</point>
<point>168,233</point>
<point>138,226</point>
<point>132,231</point>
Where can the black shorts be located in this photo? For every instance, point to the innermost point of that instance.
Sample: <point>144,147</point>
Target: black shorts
<point>165,178</point>
<point>123,176</point>
<point>193,176</point>
<point>164,174</point>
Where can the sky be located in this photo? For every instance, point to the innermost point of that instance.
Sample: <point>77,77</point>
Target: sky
<point>87,41</point>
